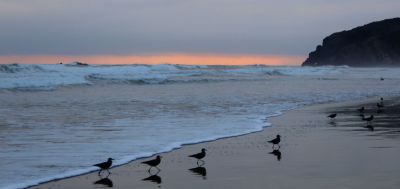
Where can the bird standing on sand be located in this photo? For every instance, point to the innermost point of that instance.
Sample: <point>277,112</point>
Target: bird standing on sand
<point>104,165</point>
<point>153,163</point>
<point>361,110</point>
<point>368,119</point>
<point>276,141</point>
<point>332,116</point>
<point>199,156</point>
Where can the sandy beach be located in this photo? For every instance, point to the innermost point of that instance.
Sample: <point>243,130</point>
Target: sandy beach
<point>315,153</point>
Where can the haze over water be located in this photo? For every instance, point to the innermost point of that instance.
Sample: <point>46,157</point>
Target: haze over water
<point>57,120</point>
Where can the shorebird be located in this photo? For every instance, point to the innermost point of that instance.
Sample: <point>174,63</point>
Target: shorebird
<point>368,119</point>
<point>361,110</point>
<point>104,165</point>
<point>199,156</point>
<point>153,163</point>
<point>276,141</point>
<point>332,116</point>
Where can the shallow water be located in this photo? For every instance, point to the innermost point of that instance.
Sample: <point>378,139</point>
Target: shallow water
<point>57,129</point>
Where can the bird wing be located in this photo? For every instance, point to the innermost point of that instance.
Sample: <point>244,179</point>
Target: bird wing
<point>195,155</point>
<point>99,164</point>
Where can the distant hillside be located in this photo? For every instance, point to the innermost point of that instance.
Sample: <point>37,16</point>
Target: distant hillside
<point>374,44</point>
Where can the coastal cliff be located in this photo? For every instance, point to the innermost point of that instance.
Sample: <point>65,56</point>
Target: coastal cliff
<point>371,45</point>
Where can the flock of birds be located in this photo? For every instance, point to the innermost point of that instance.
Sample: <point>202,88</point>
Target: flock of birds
<point>368,119</point>
<point>105,166</point>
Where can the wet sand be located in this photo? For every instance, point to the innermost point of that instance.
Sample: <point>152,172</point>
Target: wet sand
<point>315,152</point>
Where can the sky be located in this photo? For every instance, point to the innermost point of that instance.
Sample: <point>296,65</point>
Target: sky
<point>177,31</point>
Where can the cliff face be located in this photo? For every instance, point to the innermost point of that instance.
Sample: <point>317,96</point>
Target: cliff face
<point>374,44</point>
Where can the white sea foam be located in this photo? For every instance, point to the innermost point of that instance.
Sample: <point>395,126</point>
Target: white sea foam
<point>25,76</point>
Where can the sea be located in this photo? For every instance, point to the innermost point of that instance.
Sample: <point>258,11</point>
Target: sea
<point>58,120</point>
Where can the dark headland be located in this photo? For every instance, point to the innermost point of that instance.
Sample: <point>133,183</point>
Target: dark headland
<point>372,45</point>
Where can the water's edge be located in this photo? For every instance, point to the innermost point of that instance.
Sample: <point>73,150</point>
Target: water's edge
<point>176,146</point>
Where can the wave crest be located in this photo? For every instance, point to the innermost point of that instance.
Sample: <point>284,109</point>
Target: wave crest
<point>37,77</point>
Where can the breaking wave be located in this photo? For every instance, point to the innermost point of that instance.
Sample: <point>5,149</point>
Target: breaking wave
<point>45,77</point>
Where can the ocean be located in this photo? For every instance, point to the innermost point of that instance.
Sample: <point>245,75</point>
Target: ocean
<point>58,120</point>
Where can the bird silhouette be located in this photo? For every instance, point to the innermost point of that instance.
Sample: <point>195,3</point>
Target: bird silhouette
<point>199,156</point>
<point>361,110</point>
<point>275,141</point>
<point>368,119</point>
<point>332,116</point>
<point>104,165</point>
<point>153,163</point>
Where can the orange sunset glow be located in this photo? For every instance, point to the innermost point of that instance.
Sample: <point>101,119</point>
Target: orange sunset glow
<point>188,59</point>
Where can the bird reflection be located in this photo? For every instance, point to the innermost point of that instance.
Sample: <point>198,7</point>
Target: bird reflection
<point>104,181</point>
<point>277,153</point>
<point>153,178</point>
<point>202,171</point>
<point>370,127</point>
<point>333,123</point>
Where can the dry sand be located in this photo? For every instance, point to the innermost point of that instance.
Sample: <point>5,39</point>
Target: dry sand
<point>315,153</point>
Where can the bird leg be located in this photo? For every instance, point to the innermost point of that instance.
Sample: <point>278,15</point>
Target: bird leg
<point>201,162</point>
<point>273,147</point>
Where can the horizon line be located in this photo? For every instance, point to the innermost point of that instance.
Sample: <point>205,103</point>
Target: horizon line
<point>175,58</point>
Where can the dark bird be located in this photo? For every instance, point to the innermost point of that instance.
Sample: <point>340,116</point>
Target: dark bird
<point>202,171</point>
<point>105,181</point>
<point>153,162</point>
<point>368,119</point>
<point>105,165</point>
<point>382,78</point>
<point>361,110</point>
<point>199,156</point>
<point>276,141</point>
<point>379,105</point>
<point>332,116</point>
<point>153,178</point>
<point>277,153</point>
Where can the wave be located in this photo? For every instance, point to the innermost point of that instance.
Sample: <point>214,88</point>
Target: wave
<point>45,77</point>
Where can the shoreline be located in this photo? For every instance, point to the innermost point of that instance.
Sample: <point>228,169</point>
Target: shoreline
<point>185,147</point>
